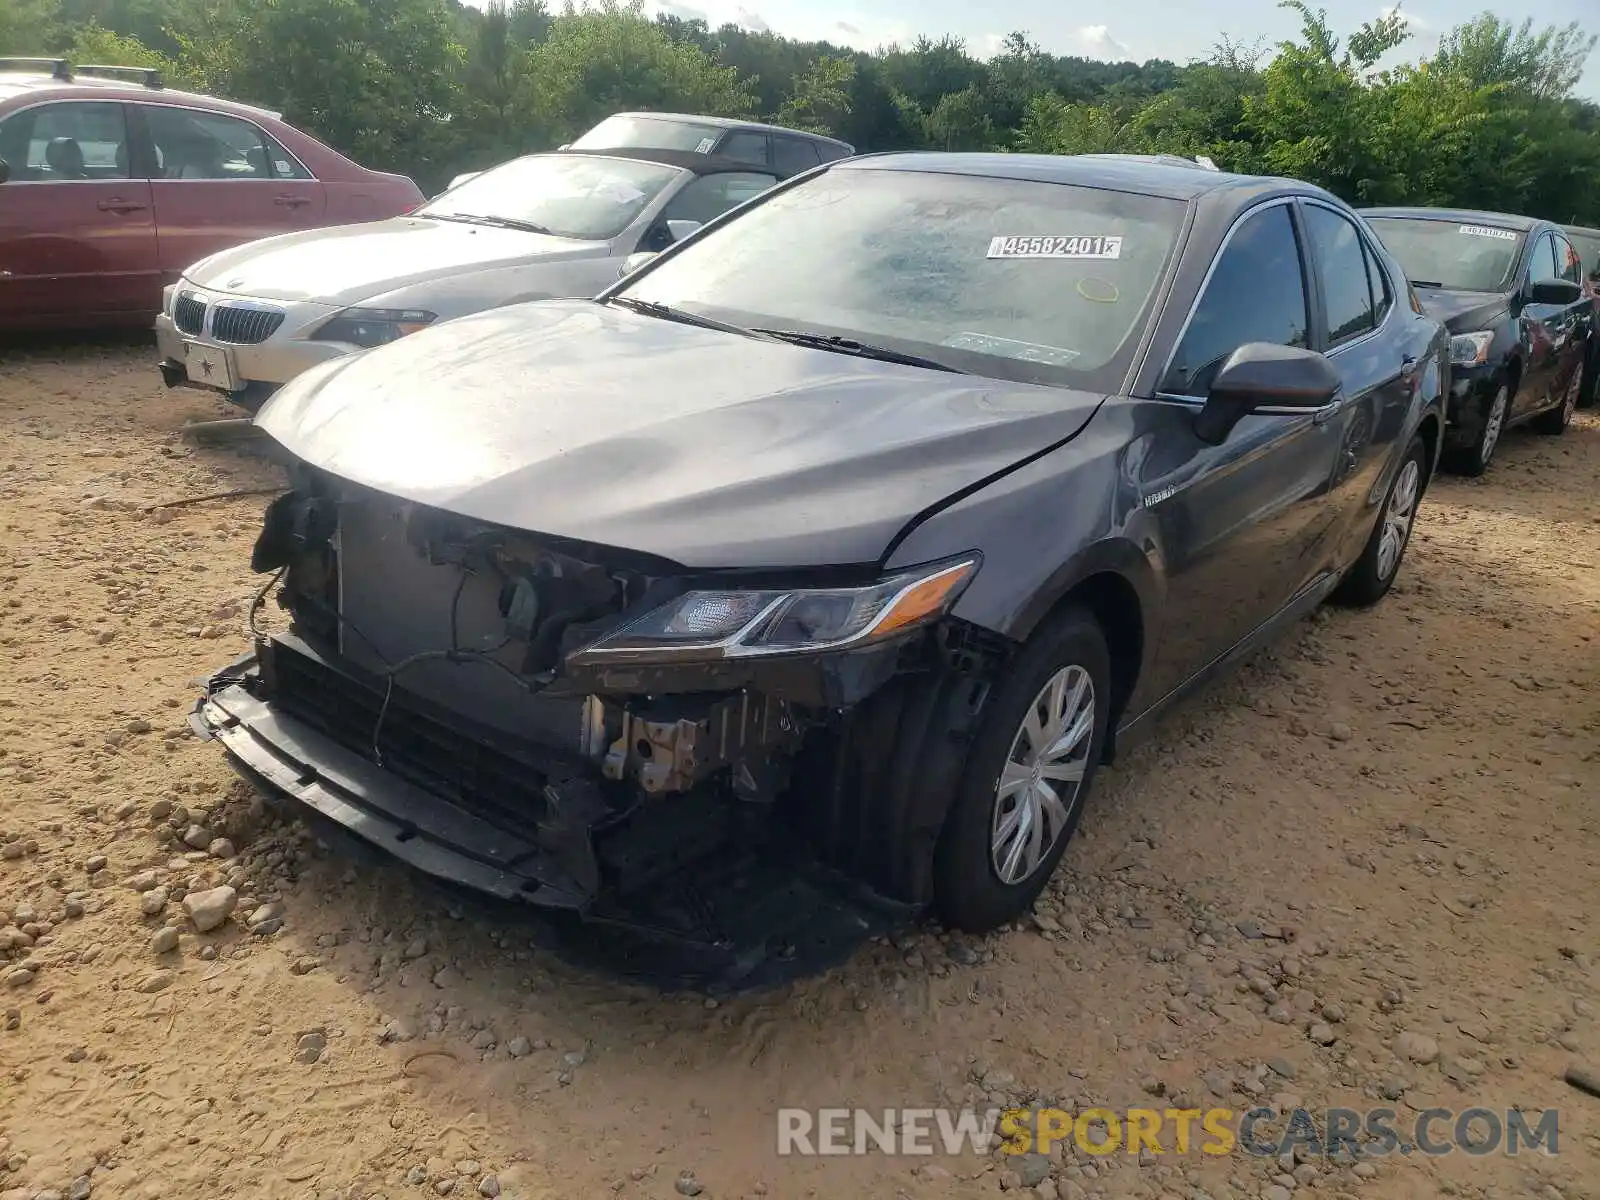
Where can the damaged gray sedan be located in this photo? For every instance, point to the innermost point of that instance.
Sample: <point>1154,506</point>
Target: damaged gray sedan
<point>810,573</point>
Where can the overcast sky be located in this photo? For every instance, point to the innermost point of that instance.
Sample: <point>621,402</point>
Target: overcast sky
<point>1128,29</point>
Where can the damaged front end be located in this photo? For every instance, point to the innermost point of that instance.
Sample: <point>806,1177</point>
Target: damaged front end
<point>593,730</point>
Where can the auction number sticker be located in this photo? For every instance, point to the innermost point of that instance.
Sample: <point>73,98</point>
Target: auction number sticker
<point>1090,246</point>
<point>705,145</point>
<point>1487,231</point>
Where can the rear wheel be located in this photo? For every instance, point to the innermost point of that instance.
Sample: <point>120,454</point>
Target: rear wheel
<point>1474,459</point>
<point>1374,572</point>
<point>1555,421</point>
<point>1027,777</point>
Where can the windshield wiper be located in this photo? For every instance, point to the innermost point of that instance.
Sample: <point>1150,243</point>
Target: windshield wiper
<point>844,345</point>
<point>1433,283</point>
<point>499,222</point>
<point>654,308</point>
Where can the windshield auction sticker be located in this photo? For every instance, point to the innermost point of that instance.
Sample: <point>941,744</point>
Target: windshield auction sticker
<point>1504,235</point>
<point>1087,246</point>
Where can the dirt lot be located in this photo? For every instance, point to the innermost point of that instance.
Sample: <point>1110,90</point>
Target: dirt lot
<point>1386,826</point>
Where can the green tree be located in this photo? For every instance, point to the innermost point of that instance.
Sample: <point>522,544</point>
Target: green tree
<point>960,121</point>
<point>601,60</point>
<point>820,101</point>
<point>377,78</point>
<point>1487,51</point>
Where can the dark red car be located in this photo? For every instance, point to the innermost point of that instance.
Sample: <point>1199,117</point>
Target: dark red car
<point>111,184</point>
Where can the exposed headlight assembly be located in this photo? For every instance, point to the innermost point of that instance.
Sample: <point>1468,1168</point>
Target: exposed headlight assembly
<point>1470,349</point>
<point>368,327</point>
<point>705,625</point>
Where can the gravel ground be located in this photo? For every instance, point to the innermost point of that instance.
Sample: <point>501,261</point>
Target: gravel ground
<point>1361,871</point>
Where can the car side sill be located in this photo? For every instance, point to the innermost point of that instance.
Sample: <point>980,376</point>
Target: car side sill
<point>1135,730</point>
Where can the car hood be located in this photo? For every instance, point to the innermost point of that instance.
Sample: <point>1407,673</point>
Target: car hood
<point>349,263</point>
<point>1463,312</point>
<point>579,420</point>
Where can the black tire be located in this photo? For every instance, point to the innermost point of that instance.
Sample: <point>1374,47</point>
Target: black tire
<point>1475,459</point>
<point>969,892</point>
<point>1372,575</point>
<point>1553,422</point>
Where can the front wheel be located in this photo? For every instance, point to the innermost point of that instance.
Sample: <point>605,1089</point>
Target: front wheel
<point>1027,776</point>
<point>1556,420</point>
<point>1474,459</point>
<point>1374,572</point>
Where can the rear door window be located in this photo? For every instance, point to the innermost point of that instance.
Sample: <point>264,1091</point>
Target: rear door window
<point>1341,263</point>
<point>200,145</point>
<point>791,155</point>
<point>747,146</point>
<point>1257,293</point>
<point>1567,261</point>
<point>1542,265</point>
<point>1382,291</point>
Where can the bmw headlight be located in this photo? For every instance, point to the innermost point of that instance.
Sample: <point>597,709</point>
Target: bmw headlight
<point>367,327</point>
<point>738,624</point>
<point>1470,349</point>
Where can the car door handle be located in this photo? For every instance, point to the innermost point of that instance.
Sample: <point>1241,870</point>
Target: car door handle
<point>290,201</point>
<point>1328,411</point>
<point>118,205</point>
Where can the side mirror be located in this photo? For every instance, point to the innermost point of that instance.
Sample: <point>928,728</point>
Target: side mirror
<point>1555,291</point>
<point>5,170</point>
<point>1260,377</point>
<point>634,261</point>
<point>682,229</point>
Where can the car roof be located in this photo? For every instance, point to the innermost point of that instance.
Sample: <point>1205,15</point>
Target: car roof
<point>733,123</point>
<point>1460,215</point>
<point>1146,175</point>
<point>1585,229</point>
<point>688,160</point>
<point>95,87</point>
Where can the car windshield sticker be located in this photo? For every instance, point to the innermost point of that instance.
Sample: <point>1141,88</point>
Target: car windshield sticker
<point>705,145</point>
<point>1092,246</point>
<point>988,343</point>
<point>616,191</point>
<point>1485,231</point>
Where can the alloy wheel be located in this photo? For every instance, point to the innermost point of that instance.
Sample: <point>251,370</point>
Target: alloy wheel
<point>1397,517</point>
<point>1040,782</point>
<point>1493,423</point>
<point>1569,403</point>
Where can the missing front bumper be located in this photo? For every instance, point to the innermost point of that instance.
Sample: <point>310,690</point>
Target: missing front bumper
<point>755,914</point>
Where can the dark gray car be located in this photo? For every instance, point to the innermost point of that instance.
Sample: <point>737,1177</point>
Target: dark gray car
<point>842,541</point>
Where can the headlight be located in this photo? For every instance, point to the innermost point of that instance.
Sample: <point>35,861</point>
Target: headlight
<point>373,326</point>
<point>1470,349</point>
<point>167,295</point>
<point>709,625</point>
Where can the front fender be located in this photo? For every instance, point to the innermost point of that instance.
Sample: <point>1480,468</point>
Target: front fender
<point>1048,526</point>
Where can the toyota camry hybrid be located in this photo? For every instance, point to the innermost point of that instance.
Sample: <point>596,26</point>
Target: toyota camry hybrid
<point>815,566</point>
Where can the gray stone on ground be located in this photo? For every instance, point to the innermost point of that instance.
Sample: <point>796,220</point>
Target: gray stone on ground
<point>210,908</point>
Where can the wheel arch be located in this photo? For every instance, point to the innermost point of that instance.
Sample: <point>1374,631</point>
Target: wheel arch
<point>878,815</point>
<point>1116,581</point>
<point>1431,431</point>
